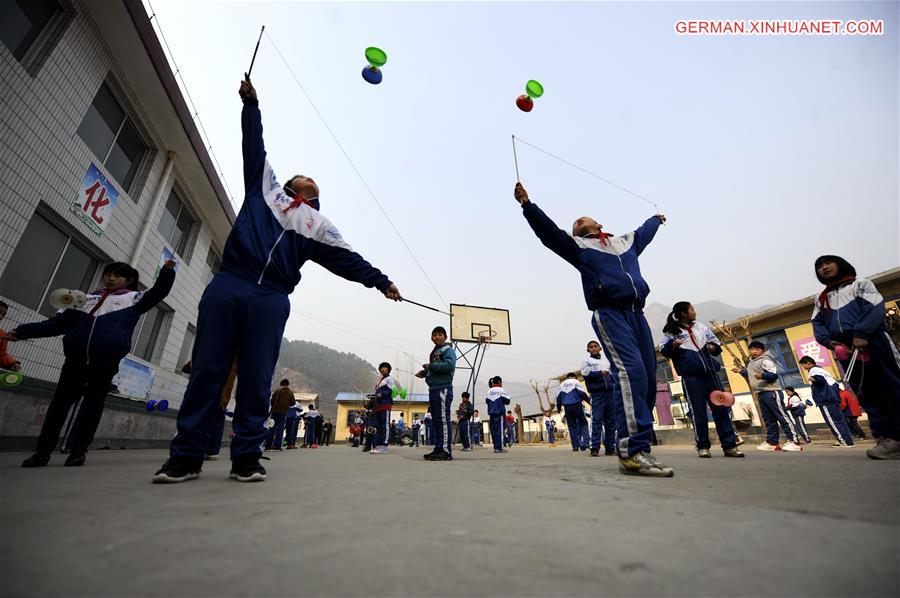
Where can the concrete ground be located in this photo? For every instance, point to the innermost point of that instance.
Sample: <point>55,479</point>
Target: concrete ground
<point>533,522</point>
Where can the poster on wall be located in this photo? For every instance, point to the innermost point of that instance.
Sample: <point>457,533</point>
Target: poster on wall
<point>96,201</point>
<point>167,255</point>
<point>134,380</point>
<point>808,347</point>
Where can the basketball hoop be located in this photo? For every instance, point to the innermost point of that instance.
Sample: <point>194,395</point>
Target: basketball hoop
<point>486,336</point>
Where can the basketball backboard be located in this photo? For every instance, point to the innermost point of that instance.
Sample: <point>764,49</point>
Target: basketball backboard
<point>467,322</point>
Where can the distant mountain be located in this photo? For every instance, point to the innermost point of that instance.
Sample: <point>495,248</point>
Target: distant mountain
<point>706,310</point>
<point>312,367</point>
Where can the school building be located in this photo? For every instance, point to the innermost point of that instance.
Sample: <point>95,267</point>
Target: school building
<point>102,162</point>
<point>787,332</point>
<point>350,404</point>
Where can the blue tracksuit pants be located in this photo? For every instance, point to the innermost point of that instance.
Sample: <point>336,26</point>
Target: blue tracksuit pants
<point>577,423</point>
<point>626,339</point>
<point>236,316</point>
<point>429,429</point>
<point>309,433</point>
<point>773,414</point>
<point>439,399</point>
<point>276,432</point>
<point>603,419</point>
<point>464,428</point>
<point>876,383</point>
<point>800,425</point>
<point>293,426</point>
<point>415,431</point>
<point>383,423</point>
<point>496,427</point>
<point>837,423</point>
<point>215,438</point>
<point>476,433</point>
<point>697,390</point>
<point>551,436</point>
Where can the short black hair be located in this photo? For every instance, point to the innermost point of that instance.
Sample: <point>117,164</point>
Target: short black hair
<point>466,394</point>
<point>571,375</point>
<point>789,388</point>
<point>385,364</point>
<point>440,329</point>
<point>592,341</point>
<point>757,345</point>
<point>807,359</point>
<point>125,271</point>
<point>4,304</point>
<point>285,382</point>
<point>496,380</point>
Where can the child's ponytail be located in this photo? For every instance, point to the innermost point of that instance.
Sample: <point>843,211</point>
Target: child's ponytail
<point>673,320</point>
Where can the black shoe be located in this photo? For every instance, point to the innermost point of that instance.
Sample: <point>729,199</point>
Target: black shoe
<point>247,469</point>
<point>595,452</point>
<point>366,449</point>
<point>75,459</point>
<point>178,469</point>
<point>574,450</point>
<point>438,456</point>
<point>584,448</point>
<point>36,460</point>
<point>609,452</point>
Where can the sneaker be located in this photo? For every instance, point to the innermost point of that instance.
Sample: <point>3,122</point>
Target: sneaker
<point>885,448</point>
<point>178,469</point>
<point>584,448</point>
<point>740,439</point>
<point>75,460</point>
<point>733,451</point>
<point>379,450</point>
<point>765,446</point>
<point>314,446</point>
<point>644,464</point>
<point>609,452</point>
<point>836,444</point>
<point>499,451</point>
<point>467,450</point>
<point>704,453</point>
<point>247,469</point>
<point>366,450</point>
<point>595,452</point>
<point>439,456</point>
<point>211,457</point>
<point>36,460</point>
<point>791,446</point>
<point>574,450</point>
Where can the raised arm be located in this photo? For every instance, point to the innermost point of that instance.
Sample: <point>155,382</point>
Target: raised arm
<point>645,232</point>
<point>61,323</point>
<point>553,238</point>
<point>160,289</point>
<point>254,150</point>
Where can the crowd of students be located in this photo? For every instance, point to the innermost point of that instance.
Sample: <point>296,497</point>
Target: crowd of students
<point>244,309</point>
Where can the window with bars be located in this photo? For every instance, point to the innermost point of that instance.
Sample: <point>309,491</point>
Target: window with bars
<point>788,370</point>
<point>45,259</point>
<point>147,333</point>
<point>31,29</point>
<point>176,225</point>
<point>110,133</point>
<point>187,346</point>
<point>213,262</point>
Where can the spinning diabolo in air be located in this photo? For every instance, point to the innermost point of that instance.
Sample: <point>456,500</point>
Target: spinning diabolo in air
<point>376,58</point>
<point>533,89</point>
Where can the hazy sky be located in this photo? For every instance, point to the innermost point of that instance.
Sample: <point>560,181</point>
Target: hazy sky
<point>764,152</point>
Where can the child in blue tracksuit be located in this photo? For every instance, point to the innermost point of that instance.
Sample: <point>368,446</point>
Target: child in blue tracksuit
<point>850,311</point>
<point>244,309</point>
<point>614,291</point>
<point>311,420</point>
<point>383,402</point>
<point>827,397</point>
<point>295,412</point>
<point>602,388</point>
<point>692,346</point>
<point>438,374</point>
<point>497,400</point>
<point>797,408</point>
<point>96,336</point>
<point>570,398</point>
<point>550,425</point>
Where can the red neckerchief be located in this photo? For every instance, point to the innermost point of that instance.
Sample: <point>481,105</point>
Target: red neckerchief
<point>602,236</point>
<point>298,201</point>
<point>690,332</point>
<point>823,297</point>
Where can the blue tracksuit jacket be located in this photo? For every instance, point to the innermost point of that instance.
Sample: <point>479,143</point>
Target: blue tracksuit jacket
<point>384,394</point>
<point>100,331</point>
<point>824,387</point>
<point>610,274</point>
<point>570,393</point>
<point>694,357</point>
<point>497,400</point>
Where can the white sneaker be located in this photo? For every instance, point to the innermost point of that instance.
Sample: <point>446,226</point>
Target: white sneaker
<point>791,446</point>
<point>379,450</point>
<point>765,446</point>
